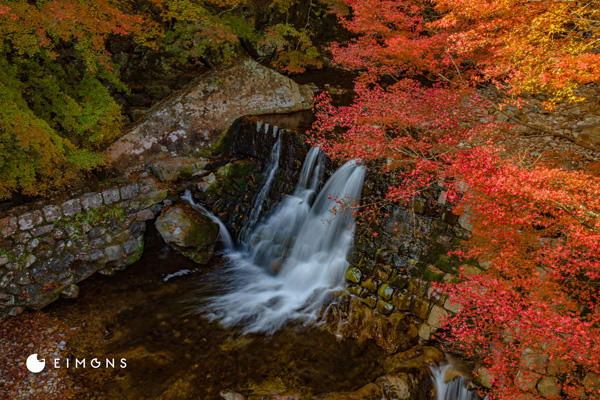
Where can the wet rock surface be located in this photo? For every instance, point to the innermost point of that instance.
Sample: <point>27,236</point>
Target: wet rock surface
<point>189,232</point>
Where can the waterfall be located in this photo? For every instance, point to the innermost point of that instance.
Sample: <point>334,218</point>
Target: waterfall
<point>270,172</point>
<point>294,260</point>
<point>269,243</point>
<point>223,232</point>
<point>456,389</point>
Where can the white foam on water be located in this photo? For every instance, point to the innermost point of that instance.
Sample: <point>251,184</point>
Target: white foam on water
<point>293,261</point>
<point>456,389</point>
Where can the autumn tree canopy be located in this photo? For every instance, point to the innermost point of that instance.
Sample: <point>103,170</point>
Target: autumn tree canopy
<point>59,81</point>
<point>419,113</point>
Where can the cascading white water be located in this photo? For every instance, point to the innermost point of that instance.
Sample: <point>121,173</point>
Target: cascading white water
<point>270,242</point>
<point>456,389</point>
<point>293,261</point>
<point>270,172</point>
<point>223,232</point>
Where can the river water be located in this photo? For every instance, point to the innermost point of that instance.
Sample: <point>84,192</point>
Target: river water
<point>173,353</point>
<point>242,324</point>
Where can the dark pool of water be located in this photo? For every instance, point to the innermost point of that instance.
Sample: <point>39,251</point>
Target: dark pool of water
<point>174,353</point>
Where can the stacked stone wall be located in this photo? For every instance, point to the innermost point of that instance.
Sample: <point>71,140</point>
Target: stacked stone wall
<point>46,250</point>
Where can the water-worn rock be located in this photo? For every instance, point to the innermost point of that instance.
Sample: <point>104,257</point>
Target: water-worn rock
<point>189,232</point>
<point>406,377</point>
<point>198,116</point>
<point>391,332</point>
<point>548,387</point>
<point>437,316</point>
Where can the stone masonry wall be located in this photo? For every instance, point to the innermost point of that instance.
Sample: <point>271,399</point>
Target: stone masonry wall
<point>45,251</point>
<point>395,258</point>
<point>392,267</point>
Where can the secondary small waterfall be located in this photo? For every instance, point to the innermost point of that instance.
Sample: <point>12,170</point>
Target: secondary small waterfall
<point>269,174</point>
<point>292,262</point>
<point>456,389</point>
<point>223,232</point>
<point>271,241</point>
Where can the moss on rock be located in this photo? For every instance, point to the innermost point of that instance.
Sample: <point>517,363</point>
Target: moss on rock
<point>189,232</point>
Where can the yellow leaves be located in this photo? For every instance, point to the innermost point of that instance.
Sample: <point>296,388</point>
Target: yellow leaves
<point>539,47</point>
<point>282,5</point>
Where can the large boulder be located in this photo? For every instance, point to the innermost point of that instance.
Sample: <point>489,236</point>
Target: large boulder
<point>189,232</point>
<point>197,116</point>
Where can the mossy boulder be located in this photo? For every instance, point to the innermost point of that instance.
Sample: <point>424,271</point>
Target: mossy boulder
<point>237,169</point>
<point>353,274</point>
<point>189,232</point>
<point>178,168</point>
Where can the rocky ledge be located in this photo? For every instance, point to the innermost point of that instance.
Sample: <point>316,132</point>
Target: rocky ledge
<point>46,250</point>
<point>195,118</point>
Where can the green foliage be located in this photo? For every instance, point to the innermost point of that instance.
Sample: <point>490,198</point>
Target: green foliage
<point>293,49</point>
<point>30,150</point>
<point>56,108</point>
<point>212,32</point>
<point>53,120</point>
<point>58,85</point>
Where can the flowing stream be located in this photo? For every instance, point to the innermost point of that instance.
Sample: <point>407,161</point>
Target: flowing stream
<point>270,174</point>
<point>291,262</point>
<point>456,389</point>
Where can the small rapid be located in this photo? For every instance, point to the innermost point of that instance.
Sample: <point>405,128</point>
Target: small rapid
<point>456,389</point>
<point>270,172</point>
<point>290,264</point>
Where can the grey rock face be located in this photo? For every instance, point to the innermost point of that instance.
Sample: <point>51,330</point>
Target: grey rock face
<point>129,191</point>
<point>111,196</point>
<point>198,116</point>
<point>91,200</point>
<point>30,219</point>
<point>51,213</point>
<point>47,250</point>
<point>71,207</point>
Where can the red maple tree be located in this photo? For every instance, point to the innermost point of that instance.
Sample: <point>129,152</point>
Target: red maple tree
<point>534,312</point>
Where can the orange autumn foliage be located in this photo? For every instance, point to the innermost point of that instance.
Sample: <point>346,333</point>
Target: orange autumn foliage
<point>418,114</point>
